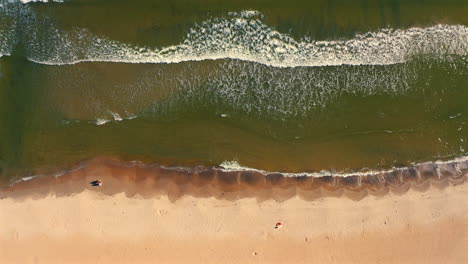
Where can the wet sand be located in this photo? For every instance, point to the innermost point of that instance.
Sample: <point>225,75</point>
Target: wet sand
<point>148,214</point>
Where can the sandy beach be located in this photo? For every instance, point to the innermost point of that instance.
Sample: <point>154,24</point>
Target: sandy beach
<point>212,123</point>
<point>65,220</point>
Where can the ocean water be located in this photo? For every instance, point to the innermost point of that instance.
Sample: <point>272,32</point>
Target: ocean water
<point>296,86</point>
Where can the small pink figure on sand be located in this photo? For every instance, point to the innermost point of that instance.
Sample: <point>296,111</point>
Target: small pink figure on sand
<point>99,182</point>
<point>278,225</point>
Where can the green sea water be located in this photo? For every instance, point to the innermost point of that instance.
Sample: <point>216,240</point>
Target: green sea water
<point>288,86</point>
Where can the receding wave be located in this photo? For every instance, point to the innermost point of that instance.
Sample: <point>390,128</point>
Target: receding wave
<point>242,36</point>
<point>239,88</point>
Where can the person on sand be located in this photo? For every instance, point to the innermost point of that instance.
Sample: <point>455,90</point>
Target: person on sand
<point>96,183</point>
<point>278,225</point>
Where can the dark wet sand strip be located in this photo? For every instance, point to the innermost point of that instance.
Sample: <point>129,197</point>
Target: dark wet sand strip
<point>155,180</point>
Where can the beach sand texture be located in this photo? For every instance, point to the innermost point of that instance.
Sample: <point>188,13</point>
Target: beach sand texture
<point>65,220</point>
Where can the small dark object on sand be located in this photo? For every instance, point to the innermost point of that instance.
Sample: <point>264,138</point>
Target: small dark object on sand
<point>96,183</point>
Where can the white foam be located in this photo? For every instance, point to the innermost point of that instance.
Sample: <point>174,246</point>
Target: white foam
<point>233,166</point>
<point>280,93</point>
<point>40,1</point>
<point>116,116</point>
<point>101,121</point>
<point>27,178</point>
<point>237,40</point>
<point>7,28</point>
<point>246,14</point>
<point>244,36</point>
<point>237,88</point>
<point>56,175</point>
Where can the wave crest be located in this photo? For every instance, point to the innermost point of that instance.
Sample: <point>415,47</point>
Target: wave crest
<point>242,36</point>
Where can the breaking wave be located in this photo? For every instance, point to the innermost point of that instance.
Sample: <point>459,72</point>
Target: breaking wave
<point>242,36</point>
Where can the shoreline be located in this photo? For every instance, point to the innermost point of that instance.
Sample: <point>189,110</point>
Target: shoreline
<point>148,214</point>
<point>65,220</point>
<point>154,180</point>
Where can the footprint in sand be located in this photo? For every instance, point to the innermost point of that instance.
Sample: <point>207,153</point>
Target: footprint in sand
<point>162,212</point>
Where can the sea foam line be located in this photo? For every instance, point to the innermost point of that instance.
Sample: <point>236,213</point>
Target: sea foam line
<point>115,117</point>
<point>242,36</point>
<point>234,166</point>
<point>271,48</point>
<point>40,1</point>
<point>57,174</point>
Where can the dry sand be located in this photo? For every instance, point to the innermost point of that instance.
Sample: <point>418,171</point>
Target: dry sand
<point>75,224</point>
